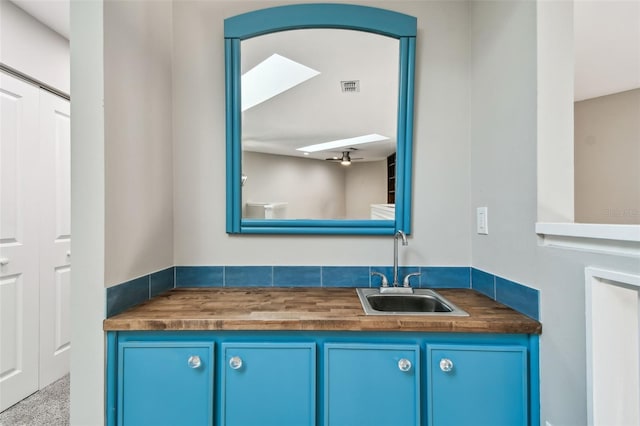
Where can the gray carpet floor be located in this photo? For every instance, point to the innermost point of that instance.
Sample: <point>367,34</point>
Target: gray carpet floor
<point>49,407</point>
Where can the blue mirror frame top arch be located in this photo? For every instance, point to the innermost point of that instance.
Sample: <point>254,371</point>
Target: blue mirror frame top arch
<point>342,16</point>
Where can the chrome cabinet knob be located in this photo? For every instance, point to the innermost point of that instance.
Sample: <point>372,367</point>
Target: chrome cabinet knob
<point>194,361</point>
<point>235,362</point>
<point>4,261</point>
<point>446,365</point>
<point>404,364</point>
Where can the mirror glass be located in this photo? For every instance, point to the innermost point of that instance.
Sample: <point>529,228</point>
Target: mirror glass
<point>319,124</point>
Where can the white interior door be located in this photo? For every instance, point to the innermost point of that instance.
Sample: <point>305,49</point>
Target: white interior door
<point>55,236</point>
<point>18,240</point>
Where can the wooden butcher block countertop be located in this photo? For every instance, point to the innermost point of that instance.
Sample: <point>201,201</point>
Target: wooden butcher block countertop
<point>318,309</point>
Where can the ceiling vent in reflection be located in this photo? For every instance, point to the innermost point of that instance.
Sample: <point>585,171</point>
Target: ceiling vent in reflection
<point>350,86</point>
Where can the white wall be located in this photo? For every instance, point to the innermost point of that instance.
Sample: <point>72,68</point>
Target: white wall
<point>87,215</point>
<point>503,135</point>
<point>122,173</point>
<point>32,48</point>
<point>555,110</point>
<point>138,139</point>
<point>561,279</point>
<point>440,224</point>
<point>366,184</point>
<point>508,121</point>
<point>607,159</point>
<point>313,189</point>
<point>613,333</point>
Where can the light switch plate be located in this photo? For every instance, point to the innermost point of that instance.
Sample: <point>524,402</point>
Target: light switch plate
<point>482,220</point>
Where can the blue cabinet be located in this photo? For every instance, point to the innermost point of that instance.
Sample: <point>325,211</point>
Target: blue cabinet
<point>477,385</point>
<point>165,383</point>
<point>268,384</point>
<point>301,378</point>
<point>372,385</point>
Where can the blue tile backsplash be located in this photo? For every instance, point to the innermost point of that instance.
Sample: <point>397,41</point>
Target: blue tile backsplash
<point>199,276</point>
<point>297,276</point>
<point>246,276</point>
<point>123,296</point>
<point>445,277</point>
<point>483,282</point>
<point>523,299</point>
<point>161,281</point>
<point>345,276</point>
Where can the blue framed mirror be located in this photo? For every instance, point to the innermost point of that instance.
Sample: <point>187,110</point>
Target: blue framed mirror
<point>319,124</point>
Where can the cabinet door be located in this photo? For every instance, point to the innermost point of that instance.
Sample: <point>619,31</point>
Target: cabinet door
<point>165,383</point>
<point>477,385</point>
<point>268,384</point>
<point>372,385</point>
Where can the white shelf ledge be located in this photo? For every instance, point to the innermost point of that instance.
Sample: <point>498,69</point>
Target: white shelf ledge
<point>621,240</point>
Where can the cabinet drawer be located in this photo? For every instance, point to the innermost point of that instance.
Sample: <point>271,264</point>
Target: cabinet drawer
<point>372,385</point>
<point>477,385</point>
<point>268,384</point>
<point>165,383</point>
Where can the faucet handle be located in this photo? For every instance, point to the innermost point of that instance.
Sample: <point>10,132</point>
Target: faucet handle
<point>405,282</point>
<point>385,282</point>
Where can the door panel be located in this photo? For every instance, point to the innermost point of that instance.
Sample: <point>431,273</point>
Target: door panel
<point>480,386</point>
<point>10,296</point>
<point>273,384</point>
<point>55,238</point>
<point>159,385</point>
<point>63,313</point>
<point>60,109</point>
<point>18,240</point>
<point>364,385</point>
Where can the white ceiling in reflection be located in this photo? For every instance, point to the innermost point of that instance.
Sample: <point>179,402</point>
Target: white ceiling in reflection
<point>316,110</point>
<point>343,143</point>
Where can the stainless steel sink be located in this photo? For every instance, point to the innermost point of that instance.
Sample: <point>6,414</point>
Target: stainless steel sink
<point>420,302</point>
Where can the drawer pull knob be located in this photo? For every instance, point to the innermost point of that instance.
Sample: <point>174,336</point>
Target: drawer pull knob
<point>404,364</point>
<point>194,361</point>
<point>4,261</point>
<point>446,365</point>
<point>235,362</point>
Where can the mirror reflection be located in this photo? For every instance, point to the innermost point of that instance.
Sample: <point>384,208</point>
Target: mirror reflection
<point>319,112</point>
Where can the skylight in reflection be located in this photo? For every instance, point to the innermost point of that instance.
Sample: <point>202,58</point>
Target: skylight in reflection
<point>273,76</point>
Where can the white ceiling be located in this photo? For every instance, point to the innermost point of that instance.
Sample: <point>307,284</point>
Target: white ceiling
<point>607,41</point>
<point>607,47</point>
<point>52,13</point>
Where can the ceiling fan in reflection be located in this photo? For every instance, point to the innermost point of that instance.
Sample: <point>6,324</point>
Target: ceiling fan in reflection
<point>345,159</point>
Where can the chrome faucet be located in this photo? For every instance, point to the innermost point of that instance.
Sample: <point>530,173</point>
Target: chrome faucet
<point>395,286</point>
<point>395,255</point>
